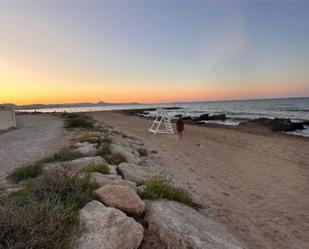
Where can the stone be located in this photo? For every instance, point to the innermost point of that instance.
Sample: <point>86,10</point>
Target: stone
<point>74,165</point>
<point>135,173</point>
<point>85,149</point>
<point>112,180</point>
<point>217,117</point>
<point>112,169</point>
<point>276,124</point>
<point>118,140</point>
<point>175,225</point>
<point>202,117</point>
<point>101,227</point>
<point>9,191</point>
<point>121,197</point>
<point>141,190</point>
<point>129,153</point>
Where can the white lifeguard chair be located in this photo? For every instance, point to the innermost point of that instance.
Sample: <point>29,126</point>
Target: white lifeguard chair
<point>162,118</point>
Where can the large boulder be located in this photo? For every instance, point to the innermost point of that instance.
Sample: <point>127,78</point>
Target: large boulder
<point>129,153</point>
<point>135,173</point>
<point>74,165</point>
<point>101,227</point>
<point>117,139</point>
<point>85,149</point>
<point>174,225</point>
<point>121,197</point>
<point>113,180</point>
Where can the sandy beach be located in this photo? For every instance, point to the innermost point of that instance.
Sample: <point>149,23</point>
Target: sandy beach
<point>255,182</point>
<point>36,136</point>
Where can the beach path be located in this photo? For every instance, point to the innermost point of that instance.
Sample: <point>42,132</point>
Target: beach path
<point>256,184</point>
<point>36,136</point>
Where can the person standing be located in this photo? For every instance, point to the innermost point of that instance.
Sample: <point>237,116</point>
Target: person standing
<point>180,126</point>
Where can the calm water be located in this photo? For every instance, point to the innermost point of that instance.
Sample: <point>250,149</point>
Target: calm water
<point>296,109</point>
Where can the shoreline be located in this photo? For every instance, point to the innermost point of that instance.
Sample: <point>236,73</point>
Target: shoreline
<point>143,113</point>
<point>252,180</point>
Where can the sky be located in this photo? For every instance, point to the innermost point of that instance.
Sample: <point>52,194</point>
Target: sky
<point>152,51</point>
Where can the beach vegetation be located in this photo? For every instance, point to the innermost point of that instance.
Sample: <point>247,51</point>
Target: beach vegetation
<point>90,139</point>
<point>159,187</point>
<point>115,158</point>
<point>64,154</point>
<point>97,167</point>
<point>104,149</point>
<point>78,120</point>
<point>45,213</point>
<point>25,172</point>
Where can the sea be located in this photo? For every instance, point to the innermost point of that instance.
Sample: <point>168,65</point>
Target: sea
<point>237,111</point>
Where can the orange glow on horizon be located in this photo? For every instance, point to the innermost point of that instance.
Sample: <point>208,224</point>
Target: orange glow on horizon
<point>21,86</point>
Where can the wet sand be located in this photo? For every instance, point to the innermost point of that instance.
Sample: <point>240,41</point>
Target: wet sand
<point>256,183</point>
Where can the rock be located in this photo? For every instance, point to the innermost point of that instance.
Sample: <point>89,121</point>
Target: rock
<point>135,173</point>
<point>121,197</point>
<point>9,191</point>
<point>112,169</point>
<point>217,117</point>
<point>141,190</point>
<point>112,180</point>
<point>95,133</point>
<point>202,117</point>
<point>130,154</point>
<point>86,149</point>
<point>275,124</point>
<point>106,228</point>
<point>305,123</point>
<point>118,140</point>
<point>74,165</point>
<point>175,225</point>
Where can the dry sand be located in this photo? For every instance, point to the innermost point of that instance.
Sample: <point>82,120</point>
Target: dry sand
<point>36,136</point>
<point>257,183</point>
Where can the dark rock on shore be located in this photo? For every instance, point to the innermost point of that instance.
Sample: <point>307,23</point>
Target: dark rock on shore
<point>202,117</point>
<point>205,117</point>
<point>183,118</point>
<point>306,123</point>
<point>275,124</point>
<point>217,117</point>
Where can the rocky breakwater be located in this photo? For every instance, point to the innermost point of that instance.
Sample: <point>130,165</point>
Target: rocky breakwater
<point>276,125</point>
<point>119,217</point>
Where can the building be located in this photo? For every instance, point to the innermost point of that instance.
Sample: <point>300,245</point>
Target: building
<point>7,118</point>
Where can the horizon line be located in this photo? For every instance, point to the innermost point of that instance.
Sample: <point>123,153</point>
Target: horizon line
<point>161,103</point>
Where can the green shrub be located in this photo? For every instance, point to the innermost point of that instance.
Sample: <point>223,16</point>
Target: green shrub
<point>38,225</point>
<point>45,213</point>
<point>78,120</point>
<point>160,188</point>
<point>63,155</point>
<point>26,172</point>
<point>103,150</point>
<point>142,152</point>
<point>115,159</point>
<point>97,167</point>
<point>90,139</point>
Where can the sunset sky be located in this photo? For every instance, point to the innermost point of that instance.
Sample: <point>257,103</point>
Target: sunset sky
<point>60,52</point>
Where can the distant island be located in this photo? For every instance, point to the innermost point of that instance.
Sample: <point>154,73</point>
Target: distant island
<point>82,104</point>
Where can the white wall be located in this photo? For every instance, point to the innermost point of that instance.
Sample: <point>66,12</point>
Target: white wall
<point>7,119</point>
